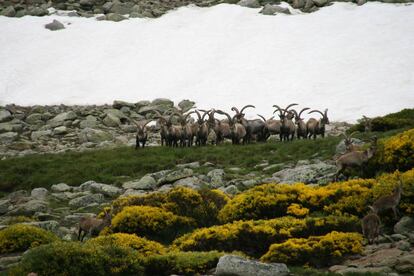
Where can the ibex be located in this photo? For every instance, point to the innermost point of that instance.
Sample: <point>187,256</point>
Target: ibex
<point>349,144</point>
<point>238,131</point>
<point>389,202</point>
<point>174,133</point>
<point>163,128</point>
<point>142,134</point>
<point>221,128</point>
<point>317,127</point>
<point>202,128</point>
<point>271,127</point>
<point>93,225</point>
<point>254,128</point>
<point>367,123</point>
<point>371,226</point>
<point>301,129</point>
<point>288,127</point>
<point>355,159</point>
<point>188,132</point>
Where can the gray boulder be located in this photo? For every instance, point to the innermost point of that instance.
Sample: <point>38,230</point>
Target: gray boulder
<point>111,120</point>
<point>107,7</point>
<point>86,200</point>
<point>41,135</point>
<point>404,226</point>
<point>249,3</point>
<point>361,2</point>
<point>105,189</point>
<point>186,105</point>
<point>238,266</point>
<point>89,122</point>
<point>34,119</point>
<point>39,193</point>
<point>190,182</point>
<point>121,8</point>
<point>175,175</point>
<point>59,119</point>
<point>60,188</point>
<point>55,25</point>
<point>230,190</point>
<point>49,225</point>
<point>4,206</point>
<point>29,208</point>
<point>61,130</point>
<point>192,165</point>
<point>12,126</point>
<point>37,11</point>
<point>341,148</point>
<point>5,115</point>
<point>319,172</point>
<point>119,104</point>
<point>163,102</point>
<point>321,3</point>
<point>8,137</point>
<point>216,178</point>
<point>147,182</point>
<point>94,135</point>
<point>9,11</point>
<point>269,9</point>
<point>298,4</point>
<point>115,17</point>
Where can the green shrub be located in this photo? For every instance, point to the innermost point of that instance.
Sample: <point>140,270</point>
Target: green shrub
<point>72,258</point>
<point>19,237</point>
<point>151,222</point>
<point>401,119</point>
<point>254,237</point>
<point>143,246</point>
<point>182,263</point>
<point>315,250</point>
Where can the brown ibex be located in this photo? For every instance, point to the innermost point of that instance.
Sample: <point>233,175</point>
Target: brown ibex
<point>221,128</point>
<point>187,130</point>
<point>301,129</point>
<point>349,144</point>
<point>92,226</point>
<point>142,134</point>
<point>163,127</point>
<point>272,127</point>
<point>202,128</point>
<point>355,159</point>
<point>317,127</point>
<point>238,131</point>
<point>389,201</point>
<point>254,128</point>
<point>371,226</point>
<point>288,127</point>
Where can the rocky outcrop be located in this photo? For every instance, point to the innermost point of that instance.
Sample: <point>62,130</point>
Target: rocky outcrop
<point>318,172</point>
<point>235,265</point>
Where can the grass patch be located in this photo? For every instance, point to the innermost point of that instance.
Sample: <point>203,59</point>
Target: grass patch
<point>121,164</point>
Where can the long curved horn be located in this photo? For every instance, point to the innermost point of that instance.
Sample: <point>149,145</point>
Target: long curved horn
<point>188,114</point>
<point>235,110</point>
<point>205,113</point>
<point>157,113</point>
<point>198,114</point>
<point>277,109</point>
<point>263,118</point>
<point>303,109</point>
<point>144,125</point>
<point>227,114</point>
<point>325,113</point>
<point>313,111</point>
<point>246,106</point>
<point>290,106</point>
<point>296,114</point>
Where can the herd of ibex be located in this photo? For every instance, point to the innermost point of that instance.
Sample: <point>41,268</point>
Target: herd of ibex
<point>236,128</point>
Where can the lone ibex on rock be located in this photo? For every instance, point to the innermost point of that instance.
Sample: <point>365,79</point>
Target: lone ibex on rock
<point>93,225</point>
<point>371,226</point>
<point>389,201</point>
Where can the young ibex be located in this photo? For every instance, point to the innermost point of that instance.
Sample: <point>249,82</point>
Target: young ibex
<point>238,131</point>
<point>355,159</point>
<point>371,226</point>
<point>389,202</point>
<point>301,129</point>
<point>317,127</point>
<point>288,127</point>
<point>254,128</point>
<point>92,226</point>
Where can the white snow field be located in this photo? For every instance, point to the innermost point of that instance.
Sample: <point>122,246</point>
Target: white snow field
<point>352,60</point>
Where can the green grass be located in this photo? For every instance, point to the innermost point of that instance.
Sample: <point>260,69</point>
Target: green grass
<point>124,163</point>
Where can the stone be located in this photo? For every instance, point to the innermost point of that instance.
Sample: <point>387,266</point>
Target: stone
<point>10,127</point>
<point>269,9</point>
<point>59,119</point>
<point>405,264</point>
<point>147,182</point>
<point>249,3</point>
<point>39,193</point>
<point>9,11</point>
<point>94,135</point>
<point>4,206</point>
<point>49,225</point>
<point>230,190</point>
<point>87,4</point>
<point>5,116</point>
<point>273,167</point>
<point>119,104</point>
<point>121,8</point>
<point>190,182</point>
<point>404,225</point>
<point>163,102</point>
<point>8,137</point>
<point>361,2</point>
<point>61,130</point>
<point>61,187</point>
<point>41,135</point>
<point>340,148</point>
<point>403,245</point>
<point>9,261</point>
<point>107,7</point>
<point>37,11</point>
<point>321,3</point>
<point>298,4</point>
<point>86,200</point>
<point>55,25</point>
<point>115,17</point>
<point>216,178</point>
<point>175,175</point>
<point>89,122</point>
<point>235,265</point>
<point>29,208</point>
<point>34,119</point>
<point>132,192</point>
<point>186,105</point>
<point>398,237</point>
<point>192,165</point>
<point>105,189</point>
<point>318,172</point>
<point>111,121</point>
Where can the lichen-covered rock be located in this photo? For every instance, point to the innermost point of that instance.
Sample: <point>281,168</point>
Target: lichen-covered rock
<point>55,25</point>
<point>115,17</point>
<point>8,137</point>
<point>41,135</point>
<point>62,117</point>
<point>94,135</point>
<point>404,226</point>
<point>235,265</point>
<point>5,115</point>
<point>61,187</point>
<point>319,172</point>
<point>147,182</point>
<point>39,193</point>
<point>175,175</point>
<point>29,208</point>
<point>86,200</point>
<point>269,9</point>
<point>249,3</point>
<point>186,105</point>
<point>9,11</point>
<point>105,189</point>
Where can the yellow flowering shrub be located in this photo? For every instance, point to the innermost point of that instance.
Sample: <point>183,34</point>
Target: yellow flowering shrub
<point>19,237</point>
<point>201,205</point>
<point>297,210</point>
<point>151,222</point>
<point>254,237</point>
<point>397,152</point>
<point>315,250</point>
<point>74,258</point>
<point>141,245</point>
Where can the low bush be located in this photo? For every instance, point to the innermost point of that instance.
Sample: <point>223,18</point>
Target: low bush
<point>143,246</point>
<point>19,237</point>
<point>254,237</point>
<point>182,263</point>
<point>348,197</point>
<point>315,250</point>
<point>72,258</point>
<point>401,119</point>
<point>151,222</point>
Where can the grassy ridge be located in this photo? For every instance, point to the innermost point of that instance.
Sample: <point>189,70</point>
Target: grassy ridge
<point>124,163</point>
